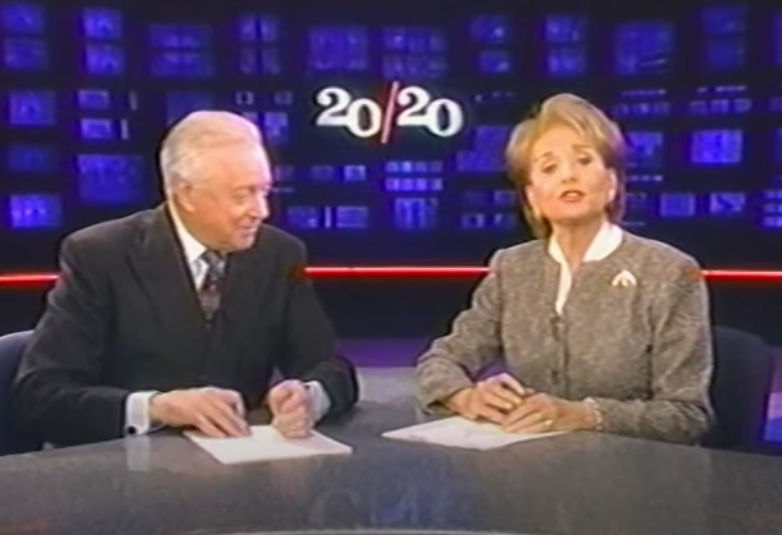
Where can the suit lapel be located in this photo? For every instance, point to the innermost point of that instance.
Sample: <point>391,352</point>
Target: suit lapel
<point>160,265</point>
<point>247,274</point>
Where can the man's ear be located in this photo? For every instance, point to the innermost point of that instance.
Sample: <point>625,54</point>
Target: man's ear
<point>183,193</point>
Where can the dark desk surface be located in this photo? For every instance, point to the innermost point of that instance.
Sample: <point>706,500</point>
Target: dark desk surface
<point>572,484</point>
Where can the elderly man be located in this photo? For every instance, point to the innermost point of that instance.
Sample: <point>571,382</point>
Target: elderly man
<point>178,316</point>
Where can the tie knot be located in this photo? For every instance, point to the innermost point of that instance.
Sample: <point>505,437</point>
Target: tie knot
<point>214,260</point>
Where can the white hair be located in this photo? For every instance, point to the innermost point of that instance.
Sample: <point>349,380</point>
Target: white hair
<point>182,151</point>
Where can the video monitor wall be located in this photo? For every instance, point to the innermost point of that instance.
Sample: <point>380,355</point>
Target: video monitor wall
<point>387,125</point>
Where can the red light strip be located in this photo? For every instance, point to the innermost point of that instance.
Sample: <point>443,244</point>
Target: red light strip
<point>411,272</point>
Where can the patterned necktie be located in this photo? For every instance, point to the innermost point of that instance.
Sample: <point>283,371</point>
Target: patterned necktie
<point>209,293</point>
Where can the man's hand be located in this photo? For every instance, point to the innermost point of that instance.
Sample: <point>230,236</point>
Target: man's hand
<point>291,406</point>
<point>216,412</point>
<point>491,399</point>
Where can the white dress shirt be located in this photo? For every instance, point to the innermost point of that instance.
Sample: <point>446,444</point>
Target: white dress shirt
<point>137,404</point>
<point>607,240</point>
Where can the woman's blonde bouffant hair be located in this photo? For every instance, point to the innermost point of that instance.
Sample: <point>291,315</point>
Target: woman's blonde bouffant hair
<point>588,121</point>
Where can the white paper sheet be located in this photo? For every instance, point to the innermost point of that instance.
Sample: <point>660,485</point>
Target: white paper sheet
<point>266,444</point>
<point>460,432</point>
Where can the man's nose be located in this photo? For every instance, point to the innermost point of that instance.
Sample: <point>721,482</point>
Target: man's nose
<point>260,208</point>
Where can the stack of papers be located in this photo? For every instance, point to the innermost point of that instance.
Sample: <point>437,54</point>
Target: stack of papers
<point>460,432</point>
<point>265,444</point>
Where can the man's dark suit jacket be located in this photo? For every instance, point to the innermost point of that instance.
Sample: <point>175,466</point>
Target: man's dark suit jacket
<point>124,316</point>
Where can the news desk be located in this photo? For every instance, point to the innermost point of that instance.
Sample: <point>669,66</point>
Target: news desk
<point>586,484</point>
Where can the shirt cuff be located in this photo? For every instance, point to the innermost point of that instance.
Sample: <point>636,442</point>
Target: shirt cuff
<point>137,413</point>
<point>320,399</point>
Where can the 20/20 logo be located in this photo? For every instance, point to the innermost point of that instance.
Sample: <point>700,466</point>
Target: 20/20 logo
<point>412,106</point>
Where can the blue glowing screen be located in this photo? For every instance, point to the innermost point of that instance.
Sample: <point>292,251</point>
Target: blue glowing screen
<point>389,135</point>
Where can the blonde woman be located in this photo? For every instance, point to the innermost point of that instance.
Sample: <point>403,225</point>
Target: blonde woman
<point>599,329</point>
